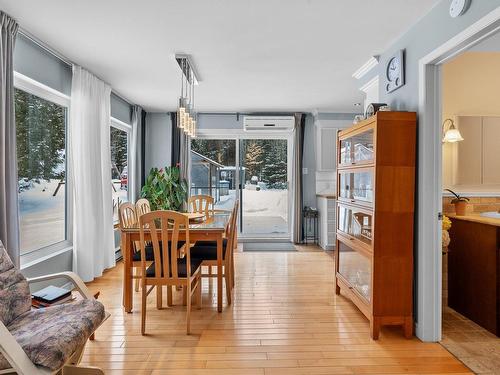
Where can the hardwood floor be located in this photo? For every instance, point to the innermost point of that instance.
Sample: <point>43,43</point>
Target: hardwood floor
<point>285,319</point>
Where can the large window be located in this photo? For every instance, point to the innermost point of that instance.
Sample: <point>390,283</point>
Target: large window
<point>119,139</point>
<point>41,155</point>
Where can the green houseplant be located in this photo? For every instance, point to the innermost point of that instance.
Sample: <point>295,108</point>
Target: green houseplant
<point>459,202</point>
<point>165,189</point>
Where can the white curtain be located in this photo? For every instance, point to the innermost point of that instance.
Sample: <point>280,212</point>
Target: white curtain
<point>135,154</point>
<point>90,171</point>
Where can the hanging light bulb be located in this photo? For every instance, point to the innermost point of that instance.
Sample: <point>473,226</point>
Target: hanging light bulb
<point>193,113</point>
<point>181,109</point>
<point>190,132</point>
<point>186,113</point>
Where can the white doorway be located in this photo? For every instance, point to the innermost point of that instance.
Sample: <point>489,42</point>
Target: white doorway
<point>429,198</point>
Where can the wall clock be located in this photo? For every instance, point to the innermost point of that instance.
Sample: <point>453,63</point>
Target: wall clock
<point>458,7</point>
<point>395,72</point>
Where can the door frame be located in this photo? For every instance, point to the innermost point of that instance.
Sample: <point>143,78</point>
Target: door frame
<point>239,134</point>
<point>429,196</point>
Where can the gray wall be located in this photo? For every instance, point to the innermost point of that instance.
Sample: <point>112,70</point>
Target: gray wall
<point>219,121</point>
<point>120,109</point>
<point>158,150</point>
<point>35,62</point>
<point>431,31</point>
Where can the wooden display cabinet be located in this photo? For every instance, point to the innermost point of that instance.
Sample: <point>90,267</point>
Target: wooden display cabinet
<point>375,218</point>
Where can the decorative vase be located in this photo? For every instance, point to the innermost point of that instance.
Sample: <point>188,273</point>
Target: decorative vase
<point>460,208</point>
<point>445,240</point>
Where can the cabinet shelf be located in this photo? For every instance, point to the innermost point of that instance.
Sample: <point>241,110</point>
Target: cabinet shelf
<point>375,209</point>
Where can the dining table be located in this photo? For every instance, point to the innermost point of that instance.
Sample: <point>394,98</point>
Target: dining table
<point>212,227</point>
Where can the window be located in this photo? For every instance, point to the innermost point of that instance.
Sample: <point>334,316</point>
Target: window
<point>41,157</point>
<point>119,140</point>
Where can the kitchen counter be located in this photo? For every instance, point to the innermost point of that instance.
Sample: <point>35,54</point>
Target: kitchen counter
<point>326,195</point>
<point>474,269</point>
<point>476,218</point>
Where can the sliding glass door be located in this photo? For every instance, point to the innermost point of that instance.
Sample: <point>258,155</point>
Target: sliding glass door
<point>262,184</point>
<point>264,189</point>
<point>213,170</point>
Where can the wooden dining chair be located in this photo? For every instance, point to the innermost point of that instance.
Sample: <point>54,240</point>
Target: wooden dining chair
<point>142,206</point>
<point>207,251</point>
<point>127,215</point>
<point>167,268</point>
<point>202,204</point>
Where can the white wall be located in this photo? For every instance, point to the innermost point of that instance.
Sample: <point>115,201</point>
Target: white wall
<point>158,145</point>
<point>470,88</point>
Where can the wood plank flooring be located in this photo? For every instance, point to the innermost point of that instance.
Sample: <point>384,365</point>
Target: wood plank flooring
<point>285,319</point>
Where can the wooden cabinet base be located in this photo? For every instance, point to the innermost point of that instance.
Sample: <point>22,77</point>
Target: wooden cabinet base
<point>406,322</point>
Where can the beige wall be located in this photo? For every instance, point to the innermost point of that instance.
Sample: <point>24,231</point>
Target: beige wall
<point>470,87</point>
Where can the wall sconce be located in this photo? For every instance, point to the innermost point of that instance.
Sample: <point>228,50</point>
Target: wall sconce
<point>451,134</point>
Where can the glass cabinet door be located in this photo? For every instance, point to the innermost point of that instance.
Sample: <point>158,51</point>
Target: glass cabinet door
<point>356,185</point>
<point>355,222</point>
<point>357,149</point>
<point>356,269</point>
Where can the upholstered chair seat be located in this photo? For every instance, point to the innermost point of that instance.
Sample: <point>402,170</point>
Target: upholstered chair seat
<point>51,335</point>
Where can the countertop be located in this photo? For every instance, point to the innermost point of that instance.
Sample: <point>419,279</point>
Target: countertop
<point>476,218</point>
<point>326,195</point>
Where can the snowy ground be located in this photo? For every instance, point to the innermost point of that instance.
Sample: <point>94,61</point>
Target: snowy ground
<point>264,211</point>
<point>42,216</point>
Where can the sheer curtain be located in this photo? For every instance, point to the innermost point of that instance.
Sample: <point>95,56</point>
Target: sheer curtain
<point>90,171</point>
<point>9,214</point>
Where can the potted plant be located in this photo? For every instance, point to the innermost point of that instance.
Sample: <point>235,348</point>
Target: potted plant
<point>459,202</point>
<point>165,189</point>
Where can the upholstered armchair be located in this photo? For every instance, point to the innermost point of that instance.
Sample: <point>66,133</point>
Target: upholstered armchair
<point>48,340</point>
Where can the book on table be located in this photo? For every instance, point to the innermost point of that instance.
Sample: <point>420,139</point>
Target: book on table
<point>51,295</point>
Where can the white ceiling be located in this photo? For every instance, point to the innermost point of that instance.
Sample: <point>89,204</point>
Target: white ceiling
<point>252,55</point>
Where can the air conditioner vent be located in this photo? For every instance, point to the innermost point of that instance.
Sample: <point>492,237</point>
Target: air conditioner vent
<point>268,123</point>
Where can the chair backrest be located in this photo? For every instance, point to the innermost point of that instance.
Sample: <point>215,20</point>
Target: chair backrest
<point>127,215</point>
<point>202,204</point>
<point>170,223</point>
<point>15,294</point>
<point>233,225</point>
<point>231,233</point>
<point>142,207</point>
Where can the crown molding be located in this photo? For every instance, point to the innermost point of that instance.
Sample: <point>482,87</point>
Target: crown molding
<point>368,85</point>
<point>366,67</point>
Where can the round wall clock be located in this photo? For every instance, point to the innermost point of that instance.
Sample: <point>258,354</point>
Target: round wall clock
<point>394,72</point>
<point>394,69</point>
<point>458,7</point>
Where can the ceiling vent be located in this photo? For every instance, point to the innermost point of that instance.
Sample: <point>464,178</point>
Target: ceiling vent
<point>268,123</point>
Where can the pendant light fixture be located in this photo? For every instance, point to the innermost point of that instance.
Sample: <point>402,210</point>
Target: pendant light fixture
<point>186,114</point>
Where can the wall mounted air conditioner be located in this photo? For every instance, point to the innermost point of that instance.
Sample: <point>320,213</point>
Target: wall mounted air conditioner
<point>268,123</point>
